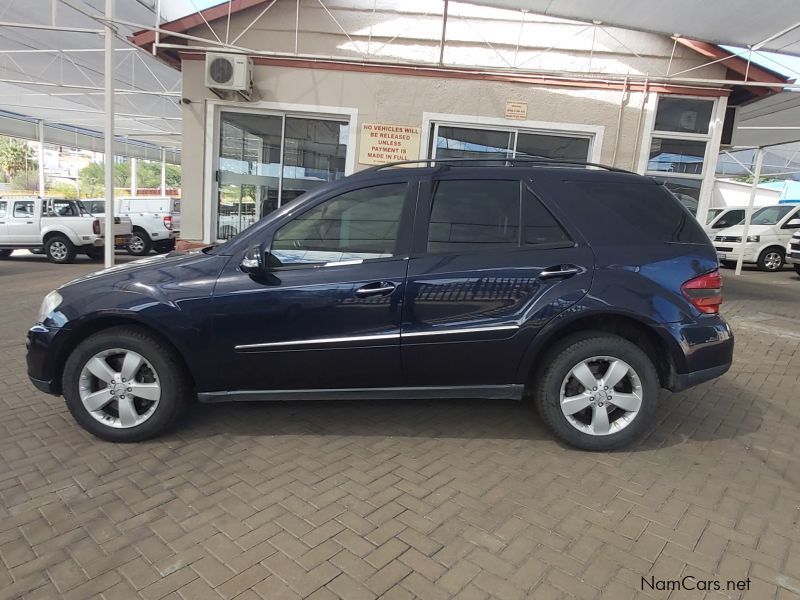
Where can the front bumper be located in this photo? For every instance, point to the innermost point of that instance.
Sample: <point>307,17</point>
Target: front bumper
<point>43,344</point>
<point>792,256</point>
<point>730,251</point>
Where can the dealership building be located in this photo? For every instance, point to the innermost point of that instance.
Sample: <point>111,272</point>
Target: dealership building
<point>280,97</point>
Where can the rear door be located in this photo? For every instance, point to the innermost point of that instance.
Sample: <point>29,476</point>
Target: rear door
<point>490,266</point>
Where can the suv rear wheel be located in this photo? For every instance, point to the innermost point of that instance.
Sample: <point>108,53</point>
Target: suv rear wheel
<point>124,385</point>
<point>597,391</point>
<point>5,253</point>
<point>59,249</point>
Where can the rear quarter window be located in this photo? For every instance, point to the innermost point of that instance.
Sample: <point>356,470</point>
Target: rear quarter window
<point>635,213</point>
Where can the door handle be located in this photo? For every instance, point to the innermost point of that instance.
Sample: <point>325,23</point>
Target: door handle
<point>379,288</point>
<point>559,271</point>
<point>29,222</point>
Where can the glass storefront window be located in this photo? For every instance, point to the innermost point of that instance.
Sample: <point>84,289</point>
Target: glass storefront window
<point>553,146</point>
<point>683,115</point>
<point>676,156</point>
<point>252,179</point>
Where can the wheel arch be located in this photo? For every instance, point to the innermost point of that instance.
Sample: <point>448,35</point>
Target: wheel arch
<point>54,231</point>
<point>661,348</point>
<point>102,322</point>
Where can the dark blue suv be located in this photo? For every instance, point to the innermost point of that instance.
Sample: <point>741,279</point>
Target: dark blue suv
<point>581,289</point>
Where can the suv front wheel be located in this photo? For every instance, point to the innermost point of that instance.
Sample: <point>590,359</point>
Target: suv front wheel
<point>597,391</point>
<point>124,385</point>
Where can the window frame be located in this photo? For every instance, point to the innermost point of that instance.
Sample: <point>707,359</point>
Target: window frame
<point>27,215</point>
<point>3,208</point>
<point>402,243</point>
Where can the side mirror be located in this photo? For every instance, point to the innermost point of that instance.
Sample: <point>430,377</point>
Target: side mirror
<point>253,261</point>
<point>791,224</point>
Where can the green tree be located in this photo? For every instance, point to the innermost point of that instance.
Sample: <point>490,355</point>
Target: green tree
<point>15,157</point>
<point>148,175</point>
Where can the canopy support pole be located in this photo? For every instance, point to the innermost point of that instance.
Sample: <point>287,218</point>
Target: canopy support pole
<point>749,212</point>
<point>163,172</point>
<point>40,158</point>
<point>134,185</point>
<point>109,135</point>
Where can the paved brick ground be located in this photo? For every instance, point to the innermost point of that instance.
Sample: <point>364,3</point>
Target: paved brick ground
<point>435,499</point>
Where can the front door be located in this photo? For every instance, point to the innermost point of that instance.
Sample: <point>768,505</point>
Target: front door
<point>490,266</point>
<point>22,225</point>
<point>328,314</point>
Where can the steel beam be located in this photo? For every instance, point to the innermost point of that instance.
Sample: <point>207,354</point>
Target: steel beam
<point>109,135</point>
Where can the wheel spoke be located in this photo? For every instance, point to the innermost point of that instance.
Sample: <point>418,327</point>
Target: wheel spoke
<point>629,402</point>
<point>127,412</point>
<point>584,375</point>
<point>101,369</point>
<point>572,404</point>
<point>130,365</point>
<point>97,400</point>
<point>146,391</point>
<point>616,371</point>
<point>599,420</point>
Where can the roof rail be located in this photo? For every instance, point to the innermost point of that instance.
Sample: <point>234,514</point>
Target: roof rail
<point>519,160</point>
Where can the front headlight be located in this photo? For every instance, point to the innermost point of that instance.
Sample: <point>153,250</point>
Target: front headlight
<point>754,238</point>
<point>49,304</point>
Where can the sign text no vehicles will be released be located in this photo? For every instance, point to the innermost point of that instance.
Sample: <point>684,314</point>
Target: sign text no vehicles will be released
<point>381,144</point>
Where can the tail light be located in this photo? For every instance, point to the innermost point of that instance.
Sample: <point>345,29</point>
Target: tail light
<point>96,226</point>
<point>704,292</point>
<point>168,222</point>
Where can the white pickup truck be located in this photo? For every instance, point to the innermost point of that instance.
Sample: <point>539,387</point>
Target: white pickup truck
<point>155,220</point>
<point>60,227</point>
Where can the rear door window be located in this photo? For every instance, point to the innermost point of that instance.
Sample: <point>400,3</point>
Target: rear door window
<point>469,215</point>
<point>23,209</point>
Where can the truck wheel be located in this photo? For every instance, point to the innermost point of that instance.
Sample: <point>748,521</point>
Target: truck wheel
<point>139,244</point>
<point>124,385</point>
<point>797,268</point>
<point>94,253</point>
<point>596,391</point>
<point>59,250</point>
<point>164,247</point>
<point>771,259</point>
<point>5,253</point>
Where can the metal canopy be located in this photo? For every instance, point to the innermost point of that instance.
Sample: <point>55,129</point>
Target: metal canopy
<point>51,68</point>
<point>769,122</point>
<point>764,25</point>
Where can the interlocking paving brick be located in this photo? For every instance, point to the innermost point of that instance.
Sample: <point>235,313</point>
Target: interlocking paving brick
<point>431,499</point>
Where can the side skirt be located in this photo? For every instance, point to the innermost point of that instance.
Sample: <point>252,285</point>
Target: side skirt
<point>490,392</point>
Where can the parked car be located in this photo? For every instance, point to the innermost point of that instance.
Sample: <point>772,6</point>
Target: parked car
<point>60,227</point>
<point>583,290</point>
<point>793,251</point>
<point>722,218</point>
<point>770,230</point>
<point>156,221</point>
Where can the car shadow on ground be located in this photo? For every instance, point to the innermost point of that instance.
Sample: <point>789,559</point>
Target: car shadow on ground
<point>724,410</point>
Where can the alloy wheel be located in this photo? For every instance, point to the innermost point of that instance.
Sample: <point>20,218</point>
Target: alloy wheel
<point>601,395</point>
<point>773,261</point>
<point>58,250</point>
<point>136,244</point>
<point>120,388</point>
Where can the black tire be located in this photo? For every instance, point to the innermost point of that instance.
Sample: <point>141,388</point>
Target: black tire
<point>728,264</point>
<point>796,268</point>
<point>5,252</point>
<point>767,260</point>
<point>557,365</point>
<point>163,247</point>
<point>140,243</point>
<point>94,253</point>
<point>176,388</point>
<point>59,250</point>
<point>36,250</point>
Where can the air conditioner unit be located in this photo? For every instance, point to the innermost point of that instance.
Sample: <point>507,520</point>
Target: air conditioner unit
<point>229,72</point>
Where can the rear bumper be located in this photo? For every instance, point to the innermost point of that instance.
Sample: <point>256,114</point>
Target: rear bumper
<point>707,351</point>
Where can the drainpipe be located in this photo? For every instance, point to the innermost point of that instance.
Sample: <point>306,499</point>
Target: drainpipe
<point>637,145</point>
<point>619,121</point>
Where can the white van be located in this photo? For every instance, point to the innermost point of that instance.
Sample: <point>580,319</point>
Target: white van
<point>770,230</point>
<point>156,221</point>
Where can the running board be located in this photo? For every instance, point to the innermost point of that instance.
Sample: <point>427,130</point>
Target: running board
<point>489,392</point>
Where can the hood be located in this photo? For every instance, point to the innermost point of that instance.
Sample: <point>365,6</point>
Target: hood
<point>142,264</point>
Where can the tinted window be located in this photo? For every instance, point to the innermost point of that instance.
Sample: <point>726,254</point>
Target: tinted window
<point>356,225</point>
<point>540,226</point>
<point>2,208</point>
<point>730,219</point>
<point>474,214</point>
<point>647,211</point>
<point>23,208</point>
<point>683,114</point>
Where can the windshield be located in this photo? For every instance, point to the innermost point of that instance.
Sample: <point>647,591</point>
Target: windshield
<point>770,215</point>
<point>712,213</point>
